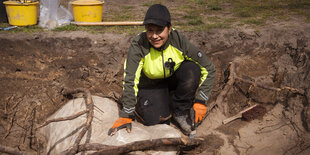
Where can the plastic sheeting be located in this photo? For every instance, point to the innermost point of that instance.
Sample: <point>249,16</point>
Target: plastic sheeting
<point>52,14</point>
<point>61,135</point>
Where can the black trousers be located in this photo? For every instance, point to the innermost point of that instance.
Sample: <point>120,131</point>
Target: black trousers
<point>157,99</point>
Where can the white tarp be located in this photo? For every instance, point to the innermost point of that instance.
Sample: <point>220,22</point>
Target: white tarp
<point>61,135</point>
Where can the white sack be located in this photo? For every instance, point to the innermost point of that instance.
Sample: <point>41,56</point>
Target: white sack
<point>52,14</point>
<point>61,135</point>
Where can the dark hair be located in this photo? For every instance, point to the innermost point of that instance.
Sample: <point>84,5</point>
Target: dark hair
<point>168,25</point>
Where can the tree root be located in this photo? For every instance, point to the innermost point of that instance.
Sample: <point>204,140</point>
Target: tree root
<point>90,116</point>
<point>10,150</point>
<point>232,77</point>
<point>141,145</point>
<point>10,124</point>
<point>264,86</point>
<point>63,118</point>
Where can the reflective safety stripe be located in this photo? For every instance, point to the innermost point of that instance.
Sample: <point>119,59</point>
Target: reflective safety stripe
<point>137,76</point>
<point>124,72</point>
<point>203,95</point>
<point>129,110</point>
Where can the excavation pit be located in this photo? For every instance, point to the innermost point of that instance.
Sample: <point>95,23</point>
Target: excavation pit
<point>270,68</point>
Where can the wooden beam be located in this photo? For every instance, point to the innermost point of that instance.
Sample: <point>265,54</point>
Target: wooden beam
<point>125,23</point>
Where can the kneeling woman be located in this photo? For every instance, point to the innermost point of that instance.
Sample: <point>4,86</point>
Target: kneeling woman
<point>165,75</point>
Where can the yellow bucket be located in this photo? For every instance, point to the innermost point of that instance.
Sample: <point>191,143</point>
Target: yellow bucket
<point>87,10</point>
<point>21,14</point>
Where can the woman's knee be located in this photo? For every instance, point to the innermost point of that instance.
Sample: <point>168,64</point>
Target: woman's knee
<point>189,71</point>
<point>191,68</point>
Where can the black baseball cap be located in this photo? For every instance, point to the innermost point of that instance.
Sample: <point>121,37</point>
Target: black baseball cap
<point>157,14</point>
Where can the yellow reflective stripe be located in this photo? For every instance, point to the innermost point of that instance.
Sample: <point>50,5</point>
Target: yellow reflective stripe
<point>204,72</point>
<point>137,76</point>
<point>154,65</point>
<point>124,73</point>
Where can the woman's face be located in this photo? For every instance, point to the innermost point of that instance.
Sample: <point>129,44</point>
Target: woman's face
<point>157,35</point>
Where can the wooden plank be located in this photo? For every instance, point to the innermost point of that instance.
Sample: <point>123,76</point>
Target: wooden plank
<point>125,23</point>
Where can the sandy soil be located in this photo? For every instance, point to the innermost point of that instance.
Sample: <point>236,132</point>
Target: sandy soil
<point>35,68</point>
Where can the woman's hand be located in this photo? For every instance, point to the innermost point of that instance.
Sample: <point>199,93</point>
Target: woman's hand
<point>120,124</point>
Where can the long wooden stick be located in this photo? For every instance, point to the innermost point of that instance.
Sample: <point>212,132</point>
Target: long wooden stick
<point>92,147</point>
<point>125,23</point>
<point>147,145</point>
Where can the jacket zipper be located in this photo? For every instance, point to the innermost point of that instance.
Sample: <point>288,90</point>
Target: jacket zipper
<point>162,56</point>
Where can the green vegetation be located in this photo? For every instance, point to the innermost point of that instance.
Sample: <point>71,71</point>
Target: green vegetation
<point>257,12</point>
<point>240,12</point>
<point>69,28</point>
<point>129,30</point>
<point>198,15</point>
<point>27,29</point>
<point>215,5</point>
<point>199,2</point>
<point>153,2</point>
<point>127,13</point>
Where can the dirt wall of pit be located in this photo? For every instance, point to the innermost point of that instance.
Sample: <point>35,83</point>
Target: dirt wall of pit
<point>35,68</point>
